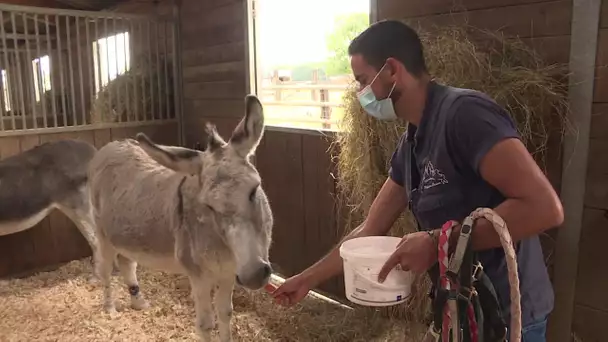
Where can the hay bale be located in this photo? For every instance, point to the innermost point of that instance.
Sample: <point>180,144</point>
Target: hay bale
<point>506,69</point>
<point>140,82</point>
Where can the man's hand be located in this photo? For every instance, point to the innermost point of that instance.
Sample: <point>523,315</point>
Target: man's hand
<point>416,252</point>
<point>293,290</point>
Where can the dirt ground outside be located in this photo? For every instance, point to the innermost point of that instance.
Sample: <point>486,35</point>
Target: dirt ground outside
<point>62,306</point>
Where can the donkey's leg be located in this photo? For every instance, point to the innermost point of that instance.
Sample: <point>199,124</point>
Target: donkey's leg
<point>223,306</point>
<point>128,269</point>
<point>201,292</point>
<point>107,254</point>
<point>86,226</point>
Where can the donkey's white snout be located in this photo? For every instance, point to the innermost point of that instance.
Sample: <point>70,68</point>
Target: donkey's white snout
<point>257,278</point>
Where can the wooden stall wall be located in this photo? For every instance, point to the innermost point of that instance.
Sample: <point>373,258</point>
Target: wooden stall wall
<point>214,65</point>
<point>591,301</point>
<point>56,240</point>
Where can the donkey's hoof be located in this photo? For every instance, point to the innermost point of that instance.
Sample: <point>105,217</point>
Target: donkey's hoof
<point>93,280</point>
<point>110,309</point>
<point>139,304</point>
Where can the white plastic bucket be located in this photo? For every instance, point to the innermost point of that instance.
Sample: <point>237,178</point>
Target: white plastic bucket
<point>363,258</point>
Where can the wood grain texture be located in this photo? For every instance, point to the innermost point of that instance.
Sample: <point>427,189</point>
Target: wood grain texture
<point>589,324</point>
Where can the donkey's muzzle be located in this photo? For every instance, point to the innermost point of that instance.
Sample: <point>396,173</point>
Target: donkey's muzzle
<point>256,279</point>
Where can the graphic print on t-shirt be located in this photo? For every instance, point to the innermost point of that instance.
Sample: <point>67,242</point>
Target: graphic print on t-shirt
<point>432,176</point>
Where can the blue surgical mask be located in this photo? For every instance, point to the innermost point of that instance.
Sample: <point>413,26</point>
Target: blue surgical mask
<point>380,109</point>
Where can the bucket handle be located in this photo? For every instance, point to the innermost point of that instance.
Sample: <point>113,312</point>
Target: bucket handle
<point>375,283</point>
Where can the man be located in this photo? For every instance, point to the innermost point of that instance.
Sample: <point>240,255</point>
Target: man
<point>457,155</point>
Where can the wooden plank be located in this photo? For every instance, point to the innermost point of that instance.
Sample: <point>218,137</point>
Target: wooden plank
<point>195,128</point>
<point>604,15</point>
<point>279,161</point>
<point>9,146</point>
<point>596,193</point>
<point>229,71</point>
<point>319,217</point>
<point>601,58</point>
<point>599,121</point>
<point>598,157</point>
<point>215,90</point>
<point>198,6</point>
<point>198,20</point>
<point>532,20</point>
<point>199,55</point>
<point>600,89</point>
<point>592,282</point>
<point>215,107</point>
<point>225,34</point>
<point>423,8</point>
<point>102,137</point>
<point>589,324</point>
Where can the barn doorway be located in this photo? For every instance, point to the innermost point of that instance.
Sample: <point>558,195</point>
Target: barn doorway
<point>298,60</point>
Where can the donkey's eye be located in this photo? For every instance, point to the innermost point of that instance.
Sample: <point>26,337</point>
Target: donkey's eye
<point>252,194</point>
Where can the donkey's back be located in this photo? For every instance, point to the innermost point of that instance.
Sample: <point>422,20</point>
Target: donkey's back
<point>35,179</point>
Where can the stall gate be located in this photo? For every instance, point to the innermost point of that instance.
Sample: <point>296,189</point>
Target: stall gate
<point>67,70</point>
<point>94,76</point>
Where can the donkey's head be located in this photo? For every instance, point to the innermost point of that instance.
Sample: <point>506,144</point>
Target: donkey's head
<point>229,191</point>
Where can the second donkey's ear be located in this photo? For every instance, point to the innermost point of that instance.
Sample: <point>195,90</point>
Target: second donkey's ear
<point>179,159</point>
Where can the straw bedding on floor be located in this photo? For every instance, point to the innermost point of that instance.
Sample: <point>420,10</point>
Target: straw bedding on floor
<point>63,306</point>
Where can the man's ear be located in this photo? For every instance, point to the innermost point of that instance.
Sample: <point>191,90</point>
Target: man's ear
<point>179,159</point>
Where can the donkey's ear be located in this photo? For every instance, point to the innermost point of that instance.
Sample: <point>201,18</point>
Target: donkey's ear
<point>214,140</point>
<point>249,131</point>
<point>179,159</point>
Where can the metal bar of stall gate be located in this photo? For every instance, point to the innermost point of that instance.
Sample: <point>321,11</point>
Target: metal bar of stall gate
<point>69,52</point>
<point>61,71</point>
<point>143,80</point>
<point>51,71</point>
<point>105,30</point>
<point>36,67</point>
<point>18,58</point>
<point>11,85</point>
<point>132,57</point>
<point>127,75</point>
<point>166,65</point>
<point>150,80</point>
<point>90,60</point>
<point>79,52</point>
<point>177,72</point>
<point>98,84</point>
<point>68,12</point>
<point>30,78</point>
<point>118,104</point>
<point>158,72</point>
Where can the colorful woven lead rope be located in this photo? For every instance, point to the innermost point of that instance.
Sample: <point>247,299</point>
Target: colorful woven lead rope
<point>447,284</point>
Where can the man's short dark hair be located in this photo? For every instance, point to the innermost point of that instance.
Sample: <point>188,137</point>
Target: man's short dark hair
<point>390,38</point>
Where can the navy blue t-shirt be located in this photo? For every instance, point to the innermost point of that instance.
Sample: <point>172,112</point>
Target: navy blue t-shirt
<point>438,165</point>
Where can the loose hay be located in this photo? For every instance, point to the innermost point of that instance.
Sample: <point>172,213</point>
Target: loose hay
<point>135,94</point>
<point>534,93</point>
<point>63,306</point>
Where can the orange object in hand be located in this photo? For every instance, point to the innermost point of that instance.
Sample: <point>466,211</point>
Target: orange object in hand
<point>270,288</point>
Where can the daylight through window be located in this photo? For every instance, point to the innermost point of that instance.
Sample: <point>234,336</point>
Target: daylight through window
<point>41,68</point>
<point>111,57</point>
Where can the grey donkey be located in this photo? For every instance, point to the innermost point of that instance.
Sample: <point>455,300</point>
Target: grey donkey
<point>199,213</point>
<point>49,176</point>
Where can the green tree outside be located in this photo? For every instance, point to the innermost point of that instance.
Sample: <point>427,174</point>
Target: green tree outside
<point>347,27</point>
